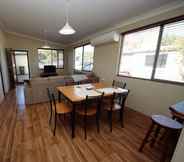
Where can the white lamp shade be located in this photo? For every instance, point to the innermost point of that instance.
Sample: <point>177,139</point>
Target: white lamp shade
<point>45,46</point>
<point>67,30</point>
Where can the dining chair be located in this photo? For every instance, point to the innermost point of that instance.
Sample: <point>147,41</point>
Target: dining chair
<point>90,107</point>
<point>119,84</point>
<point>69,82</point>
<point>50,108</point>
<point>57,108</point>
<point>116,105</point>
<point>116,84</point>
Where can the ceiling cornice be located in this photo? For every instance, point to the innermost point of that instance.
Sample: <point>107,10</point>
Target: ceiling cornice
<point>153,13</point>
<point>32,38</point>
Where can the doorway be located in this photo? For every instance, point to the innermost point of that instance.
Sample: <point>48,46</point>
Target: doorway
<point>21,63</point>
<point>1,81</point>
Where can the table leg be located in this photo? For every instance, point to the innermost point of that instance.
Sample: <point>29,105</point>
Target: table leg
<point>73,121</point>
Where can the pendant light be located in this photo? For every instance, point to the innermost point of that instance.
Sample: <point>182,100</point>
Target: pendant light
<point>67,29</point>
<point>45,39</point>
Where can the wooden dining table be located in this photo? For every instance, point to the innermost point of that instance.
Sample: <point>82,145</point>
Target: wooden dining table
<point>75,94</point>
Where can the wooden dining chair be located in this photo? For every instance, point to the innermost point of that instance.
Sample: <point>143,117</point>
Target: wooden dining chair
<point>119,84</point>
<point>57,108</point>
<point>90,107</point>
<point>116,105</point>
<point>69,82</point>
<point>116,84</point>
<point>50,108</point>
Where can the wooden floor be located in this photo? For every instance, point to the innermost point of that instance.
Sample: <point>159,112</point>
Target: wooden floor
<point>25,136</point>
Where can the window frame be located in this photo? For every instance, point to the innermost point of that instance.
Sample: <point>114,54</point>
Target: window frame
<point>82,70</point>
<point>57,67</point>
<point>160,24</point>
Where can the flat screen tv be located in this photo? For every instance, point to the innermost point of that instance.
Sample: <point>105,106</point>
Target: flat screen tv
<point>49,69</point>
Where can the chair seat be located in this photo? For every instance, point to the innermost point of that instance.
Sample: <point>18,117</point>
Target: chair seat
<point>114,108</point>
<point>90,111</point>
<point>63,108</point>
<point>167,122</point>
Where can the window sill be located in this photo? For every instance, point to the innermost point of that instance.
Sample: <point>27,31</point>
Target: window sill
<point>153,80</point>
<point>56,68</point>
<point>81,71</point>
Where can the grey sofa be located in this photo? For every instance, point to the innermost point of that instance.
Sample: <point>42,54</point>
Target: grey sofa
<point>35,90</point>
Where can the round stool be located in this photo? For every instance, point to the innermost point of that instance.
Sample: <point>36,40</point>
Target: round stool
<point>171,128</point>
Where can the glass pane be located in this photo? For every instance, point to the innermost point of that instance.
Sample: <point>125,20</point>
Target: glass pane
<point>138,53</point>
<point>88,58</point>
<point>172,45</point>
<point>21,64</point>
<point>78,58</point>
<point>54,57</point>
<point>44,57</point>
<point>60,54</point>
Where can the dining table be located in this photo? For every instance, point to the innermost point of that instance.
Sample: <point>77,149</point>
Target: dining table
<point>76,94</point>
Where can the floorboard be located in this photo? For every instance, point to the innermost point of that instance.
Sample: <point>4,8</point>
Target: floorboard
<point>26,136</point>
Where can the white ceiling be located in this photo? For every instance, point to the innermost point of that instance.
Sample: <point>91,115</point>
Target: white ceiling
<point>30,17</point>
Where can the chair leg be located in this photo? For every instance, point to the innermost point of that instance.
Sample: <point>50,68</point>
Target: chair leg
<point>50,118</point>
<point>85,123</point>
<point>121,118</point>
<point>55,124</point>
<point>64,116</point>
<point>97,122</point>
<point>110,119</point>
<point>166,146</point>
<point>155,136</point>
<point>146,137</point>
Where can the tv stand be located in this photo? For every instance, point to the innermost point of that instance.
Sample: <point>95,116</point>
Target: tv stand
<point>48,74</point>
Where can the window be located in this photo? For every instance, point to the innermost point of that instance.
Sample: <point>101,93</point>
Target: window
<point>84,58</point>
<point>50,57</point>
<point>138,47</point>
<point>161,60</point>
<point>173,45</point>
<point>156,53</point>
<point>78,58</point>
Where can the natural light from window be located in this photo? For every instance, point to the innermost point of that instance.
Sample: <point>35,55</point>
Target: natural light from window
<point>84,58</point>
<point>172,45</point>
<point>138,53</point>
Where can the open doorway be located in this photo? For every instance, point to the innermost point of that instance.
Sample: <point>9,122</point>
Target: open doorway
<point>21,61</point>
<point>2,89</point>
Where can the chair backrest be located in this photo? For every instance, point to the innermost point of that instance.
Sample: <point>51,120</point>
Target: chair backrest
<point>120,84</point>
<point>123,97</point>
<point>50,98</point>
<point>120,97</point>
<point>69,83</point>
<point>93,100</point>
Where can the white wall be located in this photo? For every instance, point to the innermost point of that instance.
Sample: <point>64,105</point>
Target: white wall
<point>20,42</point>
<point>179,152</point>
<point>70,60</point>
<point>1,90</point>
<point>3,61</point>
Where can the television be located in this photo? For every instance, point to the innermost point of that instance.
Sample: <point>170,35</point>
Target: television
<point>49,69</point>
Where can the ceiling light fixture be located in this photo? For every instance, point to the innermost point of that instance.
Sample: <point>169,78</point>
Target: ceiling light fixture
<point>45,39</point>
<point>67,29</point>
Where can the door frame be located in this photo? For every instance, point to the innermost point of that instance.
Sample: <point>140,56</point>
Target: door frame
<point>1,75</point>
<point>26,51</point>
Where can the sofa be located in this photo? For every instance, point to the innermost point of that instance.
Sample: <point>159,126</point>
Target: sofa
<point>35,90</point>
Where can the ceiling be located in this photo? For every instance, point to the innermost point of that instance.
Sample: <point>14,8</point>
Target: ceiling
<point>30,17</point>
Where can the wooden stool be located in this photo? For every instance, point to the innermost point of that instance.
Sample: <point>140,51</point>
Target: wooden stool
<point>171,128</point>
